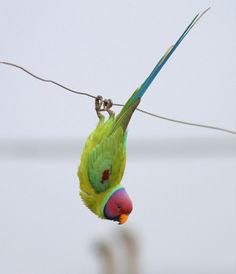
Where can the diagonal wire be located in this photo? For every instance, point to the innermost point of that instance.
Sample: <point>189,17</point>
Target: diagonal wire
<point>116,104</point>
<point>47,80</point>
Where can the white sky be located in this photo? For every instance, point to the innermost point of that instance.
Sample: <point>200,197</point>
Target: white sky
<point>184,208</point>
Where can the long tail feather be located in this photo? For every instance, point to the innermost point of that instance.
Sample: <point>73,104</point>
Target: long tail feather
<point>166,56</point>
<point>125,115</point>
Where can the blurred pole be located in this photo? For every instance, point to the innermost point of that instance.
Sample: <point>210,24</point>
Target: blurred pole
<point>105,251</point>
<point>132,247</point>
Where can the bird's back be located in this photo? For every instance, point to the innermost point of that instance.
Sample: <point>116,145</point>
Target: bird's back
<point>103,158</point>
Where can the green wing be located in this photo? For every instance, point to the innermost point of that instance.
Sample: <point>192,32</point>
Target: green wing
<point>106,162</point>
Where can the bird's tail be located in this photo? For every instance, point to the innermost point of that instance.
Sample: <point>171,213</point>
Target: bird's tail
<point>124,116</point>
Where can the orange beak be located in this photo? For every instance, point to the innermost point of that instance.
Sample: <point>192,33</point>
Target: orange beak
<point>123,219</point>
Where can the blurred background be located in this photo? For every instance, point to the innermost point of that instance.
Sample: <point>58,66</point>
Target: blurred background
<point>182,179</point>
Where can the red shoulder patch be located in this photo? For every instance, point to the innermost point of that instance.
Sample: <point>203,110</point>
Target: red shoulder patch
<point>105,175</point>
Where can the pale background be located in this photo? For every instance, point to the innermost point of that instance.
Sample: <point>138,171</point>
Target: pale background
<point>182,179</point>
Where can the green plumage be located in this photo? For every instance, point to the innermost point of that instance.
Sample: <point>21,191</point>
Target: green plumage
<point>104,156</point>
<point>105,149</point>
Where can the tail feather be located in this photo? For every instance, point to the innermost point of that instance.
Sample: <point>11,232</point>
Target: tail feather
<point>124,116</point>
<point>166,56</point>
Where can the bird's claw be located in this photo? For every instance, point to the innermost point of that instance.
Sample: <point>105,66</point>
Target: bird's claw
<point>103,105</point>
<point>98,105</point>
<point>107,104</point>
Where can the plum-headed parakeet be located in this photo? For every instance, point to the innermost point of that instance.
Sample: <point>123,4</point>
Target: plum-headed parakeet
<point>104,155</point>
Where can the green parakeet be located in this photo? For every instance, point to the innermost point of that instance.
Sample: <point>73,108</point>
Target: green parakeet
<point>104,155</point>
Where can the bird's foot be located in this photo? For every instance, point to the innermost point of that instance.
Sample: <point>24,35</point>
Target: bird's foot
<point>98,106</point>
<point>107,104</point>
<point>103,105</point>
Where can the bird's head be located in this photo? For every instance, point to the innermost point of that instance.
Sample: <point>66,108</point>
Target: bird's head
<point>118,206</point>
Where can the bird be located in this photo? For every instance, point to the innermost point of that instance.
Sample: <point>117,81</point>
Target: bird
<point>103,158</point>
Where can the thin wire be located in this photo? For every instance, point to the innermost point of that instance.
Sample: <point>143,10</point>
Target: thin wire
<point>188,123</point>
<point>48,81</point>
<point>181,122</point>
<point>116,104</point>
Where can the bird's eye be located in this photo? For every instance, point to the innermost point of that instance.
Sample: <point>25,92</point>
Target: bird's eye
<point>119,207</point>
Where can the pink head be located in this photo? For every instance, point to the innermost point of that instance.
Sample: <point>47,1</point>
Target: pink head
<point>118,206</point>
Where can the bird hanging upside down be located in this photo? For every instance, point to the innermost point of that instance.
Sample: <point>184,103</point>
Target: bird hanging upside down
<point>104,155</point>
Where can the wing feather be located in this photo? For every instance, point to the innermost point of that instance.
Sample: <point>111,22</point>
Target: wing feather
<point>108,156</point>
